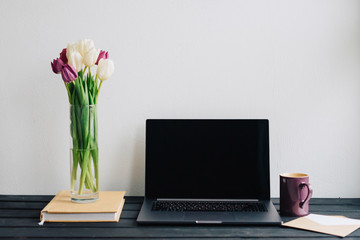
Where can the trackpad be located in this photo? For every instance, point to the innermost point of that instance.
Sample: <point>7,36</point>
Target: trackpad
<point>209,217</point>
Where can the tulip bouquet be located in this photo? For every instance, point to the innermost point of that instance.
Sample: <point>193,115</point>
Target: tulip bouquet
<point>74,65</point>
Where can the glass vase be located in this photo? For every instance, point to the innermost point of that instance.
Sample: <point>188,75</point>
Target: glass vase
<point>84,154</point>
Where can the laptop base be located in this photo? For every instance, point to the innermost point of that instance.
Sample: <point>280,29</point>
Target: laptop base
<point>148,216</point>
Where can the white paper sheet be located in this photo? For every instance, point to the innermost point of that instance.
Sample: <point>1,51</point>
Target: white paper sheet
<point>332,221</point>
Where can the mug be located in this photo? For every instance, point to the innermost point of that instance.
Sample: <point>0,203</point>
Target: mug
<point>295,193</point>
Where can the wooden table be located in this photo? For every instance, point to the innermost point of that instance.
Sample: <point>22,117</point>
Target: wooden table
<point>19,217</point>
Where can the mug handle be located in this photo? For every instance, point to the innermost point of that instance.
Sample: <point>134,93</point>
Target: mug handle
<point>310,191</point>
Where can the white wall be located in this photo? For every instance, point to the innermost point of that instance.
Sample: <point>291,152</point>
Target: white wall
<point>296,63</point>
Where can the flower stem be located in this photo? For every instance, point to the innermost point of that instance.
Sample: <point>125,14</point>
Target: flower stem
<point>97,94</point>
<point>68,91</point>
<point>95,157</point>
<point>84,170</point>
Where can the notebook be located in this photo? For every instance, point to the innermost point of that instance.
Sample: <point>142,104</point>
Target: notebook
<point>107,209</point>
<point>207,171</point>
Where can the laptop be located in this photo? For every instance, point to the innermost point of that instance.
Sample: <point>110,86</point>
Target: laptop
<point>207,172</point>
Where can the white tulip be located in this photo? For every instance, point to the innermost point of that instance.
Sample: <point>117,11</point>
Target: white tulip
<point>85,45</point>
<point>76,60</point>
<point>91,57</point>
<point>72,47</point>
<point>105,69</point>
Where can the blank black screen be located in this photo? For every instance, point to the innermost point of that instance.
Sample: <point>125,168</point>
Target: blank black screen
<point>223,159</point>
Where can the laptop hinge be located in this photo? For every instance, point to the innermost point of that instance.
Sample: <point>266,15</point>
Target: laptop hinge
<point>207,200</point>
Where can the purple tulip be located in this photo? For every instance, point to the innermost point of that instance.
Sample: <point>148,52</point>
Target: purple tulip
<point>57,65</point>
<point>102,55</point>
<point>69,73</point>
<point>63,56</point>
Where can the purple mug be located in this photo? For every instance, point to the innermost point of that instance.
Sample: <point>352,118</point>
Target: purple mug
<point>295,193</point>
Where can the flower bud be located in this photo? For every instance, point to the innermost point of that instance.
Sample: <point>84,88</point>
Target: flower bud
<point>63,56</point>
<point>91,57</point>
<point>105,69</point>
<point>72,47</point>
<point>102,55</point>
<point>68,73</point>
<point>76,60</point>
<point>57,65</point>
<point>84,46</point>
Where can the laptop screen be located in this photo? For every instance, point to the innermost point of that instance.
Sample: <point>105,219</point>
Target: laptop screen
<point>209,159</point>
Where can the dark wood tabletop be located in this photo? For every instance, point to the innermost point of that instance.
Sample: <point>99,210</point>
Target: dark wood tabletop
<point>19,217</point>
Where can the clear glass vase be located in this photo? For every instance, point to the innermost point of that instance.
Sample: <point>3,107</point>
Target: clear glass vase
<point>84,154</point>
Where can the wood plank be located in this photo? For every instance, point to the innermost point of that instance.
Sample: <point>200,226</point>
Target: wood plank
<point>134,204</point>
<point>33,222</point>
<point>6,213</point>
<point>331,208</point>
<point>26,198</point>
<point>47,198</point>
<point>334,208</point>
<point>327,201</point>
<point>23,205</point>
<point>139,199</point>
<point>41,205</point>
<point>163,232</point>
<point>134,199</point>
<point>212,238</point>
<point>19,213</point>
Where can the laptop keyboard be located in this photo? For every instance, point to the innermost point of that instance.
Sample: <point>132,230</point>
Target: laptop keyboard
<point>202,206</point>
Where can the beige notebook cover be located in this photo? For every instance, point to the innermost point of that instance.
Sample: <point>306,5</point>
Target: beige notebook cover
<point>109,203</point>
<point>307,224</point>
